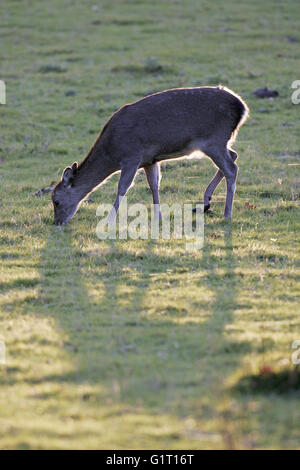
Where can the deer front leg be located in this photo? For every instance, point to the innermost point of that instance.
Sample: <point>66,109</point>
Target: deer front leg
<point>126,179</point>
<point>153,178</point>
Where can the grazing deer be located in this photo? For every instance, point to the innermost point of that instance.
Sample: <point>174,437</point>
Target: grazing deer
<point>161,126</point>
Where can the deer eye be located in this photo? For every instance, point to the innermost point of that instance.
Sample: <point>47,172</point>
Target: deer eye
<point>56,203</point>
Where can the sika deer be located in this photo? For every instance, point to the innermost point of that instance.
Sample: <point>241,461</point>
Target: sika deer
<point>161,126</point>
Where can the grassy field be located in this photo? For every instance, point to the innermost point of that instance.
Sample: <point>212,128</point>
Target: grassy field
<point>141,344</point>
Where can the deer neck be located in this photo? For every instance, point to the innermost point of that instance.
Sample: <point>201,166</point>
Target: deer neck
<point>92,171</point>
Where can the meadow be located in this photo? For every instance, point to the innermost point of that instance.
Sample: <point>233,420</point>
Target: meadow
<point>141,343</point>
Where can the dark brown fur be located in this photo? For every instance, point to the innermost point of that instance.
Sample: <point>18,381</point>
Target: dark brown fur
<point>160,126</point>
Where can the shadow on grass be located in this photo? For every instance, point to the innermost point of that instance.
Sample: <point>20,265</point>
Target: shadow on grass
<point>133,358</point>
<point>270,382</point>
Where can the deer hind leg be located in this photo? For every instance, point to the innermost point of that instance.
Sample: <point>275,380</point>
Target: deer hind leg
<point>215,182</point>
<point>224,159</point>
<point>126,180</point>
<point>153,178</point>
<point>211,188</point>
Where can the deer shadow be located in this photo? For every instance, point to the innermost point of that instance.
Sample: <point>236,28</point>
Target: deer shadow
<point>163,362</point>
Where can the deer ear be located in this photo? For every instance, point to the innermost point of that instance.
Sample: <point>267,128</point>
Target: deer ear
<point>67,175</point>
<point>74,167</point>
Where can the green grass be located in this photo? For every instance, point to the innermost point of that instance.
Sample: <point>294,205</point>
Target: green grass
<point>141,344</point>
